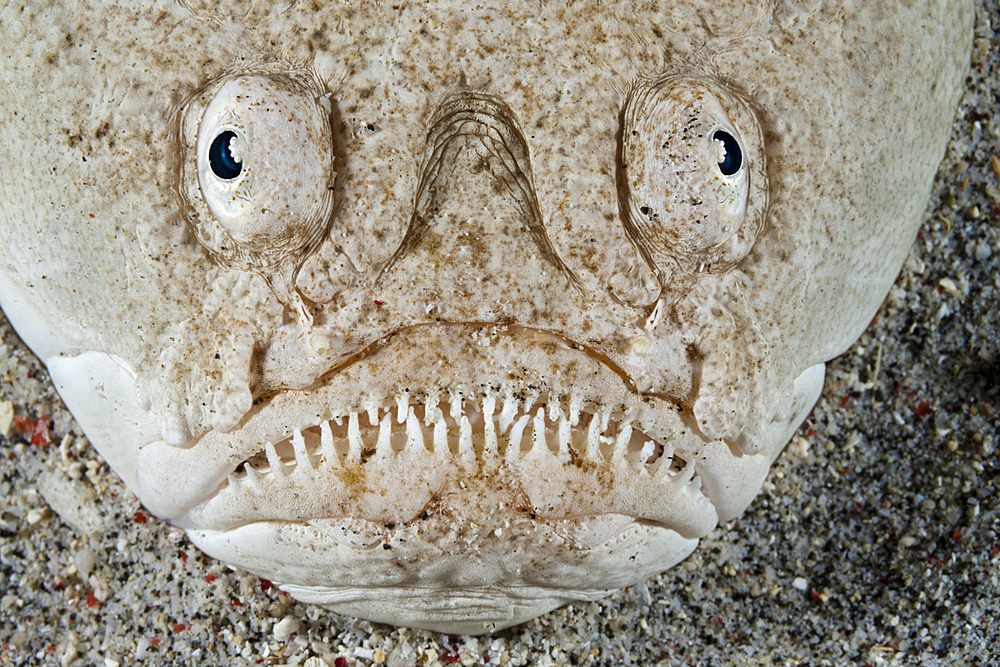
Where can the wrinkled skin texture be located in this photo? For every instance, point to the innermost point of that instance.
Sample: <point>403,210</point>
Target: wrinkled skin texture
<point>447,317</point>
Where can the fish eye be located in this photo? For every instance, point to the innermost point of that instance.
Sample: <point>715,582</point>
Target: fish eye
<point>224,164</point>
<point>689,199</point>
<point>732,156</point>
<point>258,171</point>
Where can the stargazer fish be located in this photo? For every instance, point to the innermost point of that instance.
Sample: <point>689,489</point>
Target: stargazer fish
<point>444,315</point>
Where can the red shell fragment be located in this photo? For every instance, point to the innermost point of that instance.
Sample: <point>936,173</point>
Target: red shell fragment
<point>23,424</point>
<point>40,433</point>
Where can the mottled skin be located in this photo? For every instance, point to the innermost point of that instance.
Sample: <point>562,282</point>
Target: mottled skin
<point>523,211</point>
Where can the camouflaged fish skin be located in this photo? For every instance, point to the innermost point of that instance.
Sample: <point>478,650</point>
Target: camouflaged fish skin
<point>446,316</point>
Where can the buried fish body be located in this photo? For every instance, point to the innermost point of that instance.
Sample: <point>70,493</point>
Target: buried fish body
<point>444,317</point>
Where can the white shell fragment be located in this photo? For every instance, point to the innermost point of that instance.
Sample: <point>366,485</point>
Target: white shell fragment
<point>444,316</point>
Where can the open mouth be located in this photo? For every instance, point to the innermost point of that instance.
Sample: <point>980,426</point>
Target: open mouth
<point>463,428</point>
<point>545,457</point>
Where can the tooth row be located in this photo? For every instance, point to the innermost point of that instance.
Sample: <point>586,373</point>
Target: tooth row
<point>549,430</point>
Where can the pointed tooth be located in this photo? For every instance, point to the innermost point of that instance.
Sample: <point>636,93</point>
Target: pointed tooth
<point>489,428</point>
<point>621,443</point>
<point>639,458</point>
<point>402,405</point>
<point>466,450</point>
<point>383,448</point>
<point>661,467</point>
<point>338,420</point>
<point>301,453</point>
<point>354,443</point>
<point>373,415</point>
<point>693,488</point>
<point>686,474</point>
<point>253,477</point>
<point>234,484</point>
<point>326,442</point>
<point>538,440</point>
<point>431,410</point>
<point>441,437</point>
<point>593,440</point>
<point>456,407</point>
<point>575,405</point>
<point>414,434</point>
<point>565,435</point>
<point>516,434</point>
<point>273,460</point>
<point>508,413</point>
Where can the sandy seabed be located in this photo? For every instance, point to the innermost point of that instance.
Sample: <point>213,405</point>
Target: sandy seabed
<point>874,542</point>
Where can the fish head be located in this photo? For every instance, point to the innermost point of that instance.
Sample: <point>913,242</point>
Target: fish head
<point>447,316</point>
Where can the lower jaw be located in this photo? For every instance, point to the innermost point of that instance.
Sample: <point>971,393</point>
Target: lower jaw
<point>454,578</point>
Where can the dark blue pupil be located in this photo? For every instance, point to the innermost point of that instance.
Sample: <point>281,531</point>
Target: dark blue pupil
<point>734,156</point>
<point>221,158</point>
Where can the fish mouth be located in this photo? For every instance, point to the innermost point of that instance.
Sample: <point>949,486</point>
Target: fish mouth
<point>398,489</point>
<point>544,430</point>
<point>364,476</point>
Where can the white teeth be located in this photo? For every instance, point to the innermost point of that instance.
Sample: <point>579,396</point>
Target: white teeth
<point>299,446</point>
<point>489,427</point>
<point>326,442</point>
<point>431,411</point>
<point>538,440</point>
<point>273,460</point>
<point>465,448</point>
<point>694,487</point>
<point>440,436</point>
<point>507,414</point>
<point>621,442</point>
<point>428,429</point>
<point>661,467</point>
<point>402,405</point>
<point>685,475</point>
<point>354,442</point>
<point>638,459</point>
<point>575,405</point>
<point>529,401</point>
<point>516,434</point>
<point>253,477</point>
<point>647,451</point>
<point>456,407</point>
<point>593,440</point>
<point>414,434</point>
<point>565,436</point>
<point>383,448</point>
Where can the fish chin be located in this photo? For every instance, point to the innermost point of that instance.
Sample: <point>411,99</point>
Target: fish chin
<point>456,578</point>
